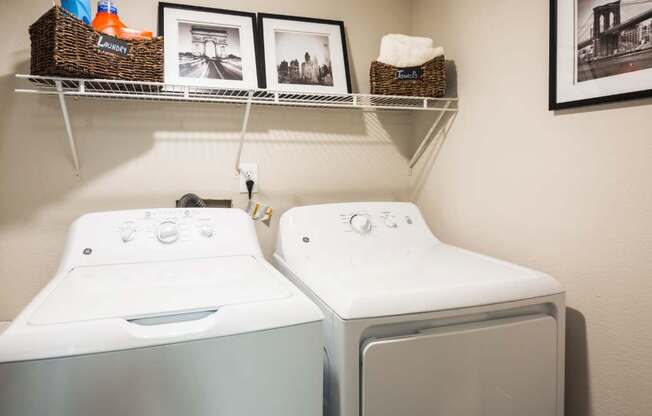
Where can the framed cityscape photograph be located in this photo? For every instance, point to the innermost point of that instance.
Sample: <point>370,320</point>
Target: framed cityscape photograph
<point>302,54</point>
<point>208,47</point>
<point>600,51</point>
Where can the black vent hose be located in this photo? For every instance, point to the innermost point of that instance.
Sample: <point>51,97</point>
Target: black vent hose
<point>191,201</point>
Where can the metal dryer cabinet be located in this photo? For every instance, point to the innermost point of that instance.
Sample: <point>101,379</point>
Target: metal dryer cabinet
<point>417,327</point>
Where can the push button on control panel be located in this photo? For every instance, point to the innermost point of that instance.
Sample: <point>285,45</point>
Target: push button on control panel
<point>389,222</point>
<point>206,230</point>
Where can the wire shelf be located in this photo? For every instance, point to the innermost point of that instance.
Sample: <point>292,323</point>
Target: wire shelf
<point>152,91</point>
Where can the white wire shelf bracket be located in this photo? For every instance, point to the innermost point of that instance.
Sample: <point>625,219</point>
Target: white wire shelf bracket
<point>153,91</point>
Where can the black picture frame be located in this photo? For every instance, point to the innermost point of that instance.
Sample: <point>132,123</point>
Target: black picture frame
<point>553,104</point>
<point>254,24</point>
<point>262,77</point>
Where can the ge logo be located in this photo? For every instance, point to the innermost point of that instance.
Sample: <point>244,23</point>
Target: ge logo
<point>88,251</point>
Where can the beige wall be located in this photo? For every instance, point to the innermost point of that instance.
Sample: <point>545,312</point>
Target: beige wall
<point>137,155</point>
<point>568,193</point>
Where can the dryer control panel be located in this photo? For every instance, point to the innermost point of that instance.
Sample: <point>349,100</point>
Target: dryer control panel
<point>366,221</point>
<point>346,232</point>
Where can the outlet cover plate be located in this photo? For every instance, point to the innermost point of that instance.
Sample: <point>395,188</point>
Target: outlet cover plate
<point>248,170</point>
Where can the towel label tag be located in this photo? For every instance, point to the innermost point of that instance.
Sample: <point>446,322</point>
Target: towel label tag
<point>113,45</point>
<point>404,74</point>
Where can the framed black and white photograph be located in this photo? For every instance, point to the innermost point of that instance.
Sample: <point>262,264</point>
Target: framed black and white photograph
<point>600,51</point>
<point>208,47</point>
<point>301,54</point>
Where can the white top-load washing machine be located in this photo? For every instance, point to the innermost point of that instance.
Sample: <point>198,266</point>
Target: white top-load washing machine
<point>164,312</point>
<point>420,328</point>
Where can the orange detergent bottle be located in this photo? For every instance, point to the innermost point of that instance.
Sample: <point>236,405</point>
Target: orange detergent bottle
<point>107,21</point>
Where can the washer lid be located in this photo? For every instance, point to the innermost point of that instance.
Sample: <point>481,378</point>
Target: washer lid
<point>141,290</point>
<point>415,279</point>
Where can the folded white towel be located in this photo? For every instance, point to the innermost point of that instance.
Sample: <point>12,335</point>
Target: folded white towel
<point>412,41</point>
<point>406,51</point>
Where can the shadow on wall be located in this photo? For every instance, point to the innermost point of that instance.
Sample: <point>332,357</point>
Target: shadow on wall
<point>578,387</point>
<point>604,107</point>
<point>451,78</point>
<point>424,166</point>
<point>36,167</point>
<point>352,71</point>
<point>421,122</point>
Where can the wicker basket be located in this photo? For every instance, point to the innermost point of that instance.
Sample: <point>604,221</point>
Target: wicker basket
<point>427,80</point>
<point>64,46</point>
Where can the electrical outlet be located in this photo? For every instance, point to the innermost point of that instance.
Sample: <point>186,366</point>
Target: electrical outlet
<point>248,171</point>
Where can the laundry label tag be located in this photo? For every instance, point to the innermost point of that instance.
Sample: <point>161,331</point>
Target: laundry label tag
<point>406,74</point>
<point>113,45</point>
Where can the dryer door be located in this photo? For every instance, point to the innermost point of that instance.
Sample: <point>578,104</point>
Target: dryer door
<point>493,368</point>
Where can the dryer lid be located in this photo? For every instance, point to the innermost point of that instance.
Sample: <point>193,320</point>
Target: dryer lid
<point>431,277</point>
<point>141,290</point>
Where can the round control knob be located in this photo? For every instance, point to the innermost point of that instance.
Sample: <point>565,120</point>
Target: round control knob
<point>127,233</point>
<point>206,231</point>
<point>361,223</point>
<point>389,222</point>
<point>167,232</point>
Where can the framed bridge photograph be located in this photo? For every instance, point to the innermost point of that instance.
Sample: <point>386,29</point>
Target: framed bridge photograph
<point>208,47</point>
<point>600,51</point>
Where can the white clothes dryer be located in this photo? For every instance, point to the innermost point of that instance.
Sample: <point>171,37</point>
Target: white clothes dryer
<point>164,312</point>
<point>417,327</point>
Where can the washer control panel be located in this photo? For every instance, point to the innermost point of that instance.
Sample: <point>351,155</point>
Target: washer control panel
<point>167,227</point>
<point>160,234</point>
